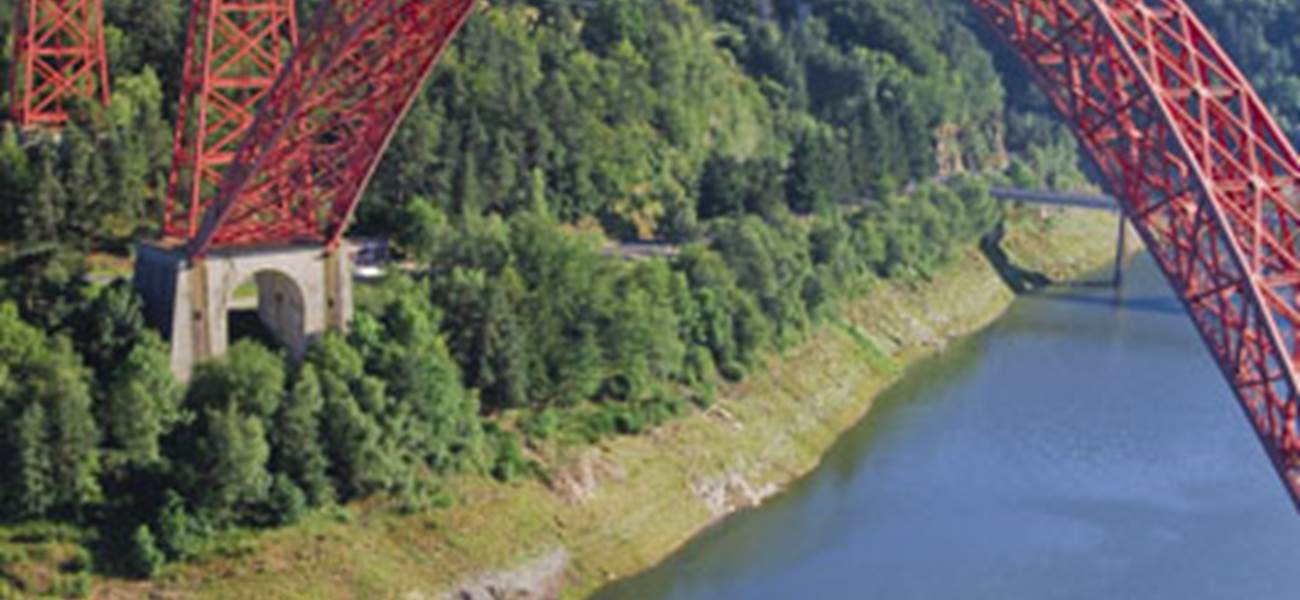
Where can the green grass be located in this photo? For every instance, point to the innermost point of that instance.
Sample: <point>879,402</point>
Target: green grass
<point>43,559</point>
<point>246,290</point>
<point>876,358</point>
<point>1061,244</point>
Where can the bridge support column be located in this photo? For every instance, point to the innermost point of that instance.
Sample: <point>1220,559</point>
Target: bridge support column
<point>302,292</point>
<point>1121,250</point>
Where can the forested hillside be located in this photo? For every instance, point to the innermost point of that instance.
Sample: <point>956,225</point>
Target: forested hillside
<point>790,150</point>
<point>1261,36</point>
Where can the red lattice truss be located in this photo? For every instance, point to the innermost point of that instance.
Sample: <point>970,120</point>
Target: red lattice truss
<point>58,56</point>
<point>319,134</point>
<point>1201,168</point>
<point>234,51</point>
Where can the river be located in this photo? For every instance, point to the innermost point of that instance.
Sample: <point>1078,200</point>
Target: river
<point>1084,446</point>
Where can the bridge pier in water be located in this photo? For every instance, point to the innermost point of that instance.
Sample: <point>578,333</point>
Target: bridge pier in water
<point>302,292</point>
<point>1121,251</point>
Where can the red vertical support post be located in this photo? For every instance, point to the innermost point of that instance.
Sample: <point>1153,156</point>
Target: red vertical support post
<point>58,56</point>
<point>233,54</point>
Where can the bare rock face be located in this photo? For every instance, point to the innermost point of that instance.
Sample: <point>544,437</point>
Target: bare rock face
<point>729,493</point>
<point>539,579</point>
<point>578,481</point>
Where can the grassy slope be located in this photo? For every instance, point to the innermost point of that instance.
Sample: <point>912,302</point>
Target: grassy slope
<point>620,507</point>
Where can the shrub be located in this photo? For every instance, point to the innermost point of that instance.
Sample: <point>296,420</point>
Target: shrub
<point>42,531</point>
<point>627,419</point>
<point>705,395</point>
<point>287,502</point>
<point>80,561</point>
<point>71,586</point>
<point>540,425</point>
<point>595,425</point>
<point>509,462</point>
<point>11,556</point>
<point>340,514</point>
<point>144,559</point>
<point>180,535</point>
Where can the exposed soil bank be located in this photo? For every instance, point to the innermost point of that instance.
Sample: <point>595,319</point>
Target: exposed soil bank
<point>622,506</point>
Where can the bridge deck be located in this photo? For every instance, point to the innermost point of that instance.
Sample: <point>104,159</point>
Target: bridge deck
<point>1094,202</point>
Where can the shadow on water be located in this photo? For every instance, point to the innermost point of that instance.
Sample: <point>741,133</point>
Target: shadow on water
<point>1018,279</point>
<point>1037,285</point>
<point>1094,284</point>
<point>1116,301</point>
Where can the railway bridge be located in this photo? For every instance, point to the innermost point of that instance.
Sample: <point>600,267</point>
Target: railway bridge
<point>280,134</point>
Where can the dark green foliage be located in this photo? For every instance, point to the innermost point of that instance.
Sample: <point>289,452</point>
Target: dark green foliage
<point>488,340</point>
<point>45,281</point>
<point>580,108</point>
<point>181,535</point>
<point>424,381</point>
<point>394,414</point>
<point>49,459</point>
<point>98,183</point>
<point>226,474</point>
<point>640,342</point>
<point>222,453</point>
<point>250,378</point>
<point>30,493</point>
<point>359,461</point>
<point>109,327</point>
<point>297,452</point>
<point>1259,34</point>
<point>142,404</point>
<point>732,187</point>
<point>725,320</point>
<point>556,323</point>
<point>71,586</point>
<point>508,462</point>
<point>286,502</point>
<point>80,562</point>
<point>771,262</point>
<point>423,228</point>
<point>541,425</point>
<point>144,558</point>
<point>16,178</point>
<point>817,175</point>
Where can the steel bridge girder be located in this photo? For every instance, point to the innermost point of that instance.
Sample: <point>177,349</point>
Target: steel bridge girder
<point>326,122</point>
<point>59,56</point>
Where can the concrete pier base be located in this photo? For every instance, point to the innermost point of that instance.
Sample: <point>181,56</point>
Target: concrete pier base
<point>302,292</point>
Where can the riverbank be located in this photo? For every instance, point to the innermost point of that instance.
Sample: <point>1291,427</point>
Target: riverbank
<point>614,509</point>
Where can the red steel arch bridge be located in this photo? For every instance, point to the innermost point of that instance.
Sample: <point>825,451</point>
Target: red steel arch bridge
<point>276,153</point>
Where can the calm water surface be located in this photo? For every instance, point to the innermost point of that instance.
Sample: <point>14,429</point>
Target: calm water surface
<point>1083,447</point>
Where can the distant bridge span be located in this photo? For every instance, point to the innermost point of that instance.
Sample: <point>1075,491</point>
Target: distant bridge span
<point>1178,134</point>
<point>1050,198</point>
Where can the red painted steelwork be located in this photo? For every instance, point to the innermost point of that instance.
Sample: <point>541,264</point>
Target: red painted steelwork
<point>1205,174</point>
<point>234,51</point>
<point>300,172</point>
<point>58,56</point>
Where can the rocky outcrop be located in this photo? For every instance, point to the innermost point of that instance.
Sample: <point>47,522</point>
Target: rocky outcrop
<point>539,579</point>
<point>729,493</point>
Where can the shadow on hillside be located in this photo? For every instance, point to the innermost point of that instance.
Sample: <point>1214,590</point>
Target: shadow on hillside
<point>1021,281</point>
